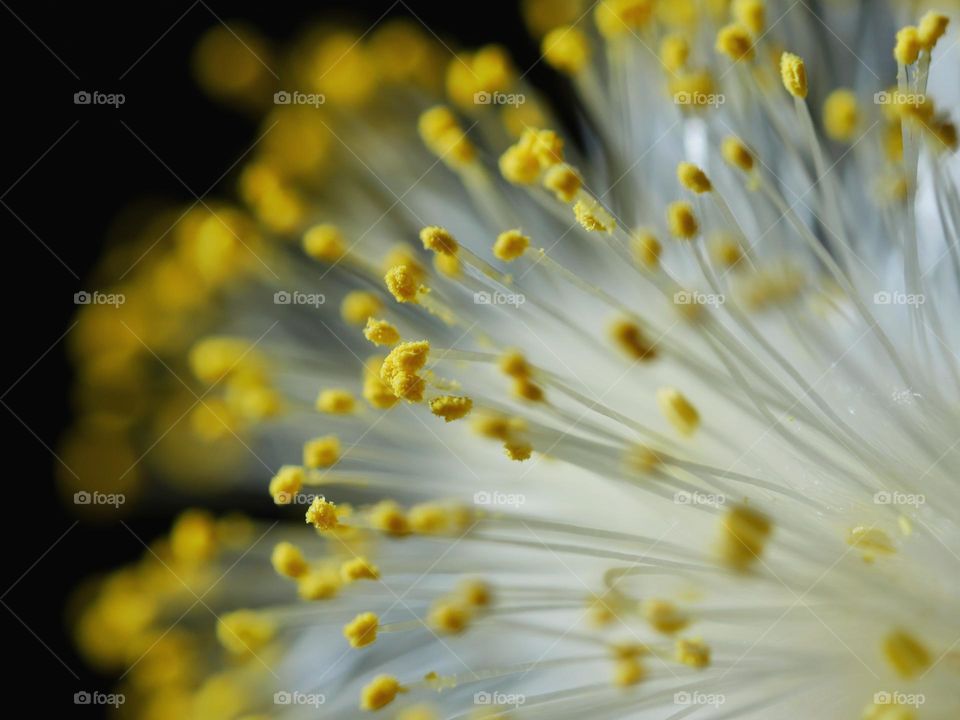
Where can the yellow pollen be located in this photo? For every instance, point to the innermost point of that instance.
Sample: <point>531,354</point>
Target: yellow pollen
<point>678,411</point>
<point>630,338</point>
<point>380,692</point>
<point>681,220</point>
<point>513,364</point>
<point>794,74</point>
<point>520,165</point>
<point>212,359</point>
<point>429,518</point>
<point>518,450</point>
<point>871,541</point>
<point>744,534</point>
<point>434,122</point>
<point>244,631</point>
<point>449,617</point>
<point>932,27</point>
<point>375,391</point>
<point>628,671</point>
<point>335,402</point>
<point>439,240</point>
<point>735,42</point>
<point>451,408</point>
<point>388,517</point>
<point>726,251</point>
<point>362,630</point>
<point>593,217</point>
<point>693,652</point>
<point>693,178</point>
<point>358,568</point>
<point>321,452</point>
<point>400,369</point>
<point>646,249</point>
<point>841,115</point>
<point>510,245</point>
<point>906,654</point>
<point>324,242</point>
<point>193,538</point>
<point>403,284</point>
<point>288,560</point>
<point>319,585</point>
<point>640,458</point>
<point>547,145</point>
<point>494,427</point>
<point>476,593</point>
<point>674,52</point>
<point>737,154</point>
<point>322,514</point>
<point>358,306</point>
<point>752,14</point>
<point>616,18</point>
<point>564,182</point>
<point>908,46</point>
<point>447,265</point>
<point>285,484</point>
<point>567,49</point>
<point>380,332</point>
<point>402,254</point>
<point>664,616</point>
<point>527,390</point>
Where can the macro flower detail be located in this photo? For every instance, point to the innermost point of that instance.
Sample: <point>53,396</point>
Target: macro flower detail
<point>651,416</point>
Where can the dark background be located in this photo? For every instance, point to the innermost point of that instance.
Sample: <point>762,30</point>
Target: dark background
<point>67,171</point>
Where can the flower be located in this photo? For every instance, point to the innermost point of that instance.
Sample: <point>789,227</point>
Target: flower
<point>661,444</point>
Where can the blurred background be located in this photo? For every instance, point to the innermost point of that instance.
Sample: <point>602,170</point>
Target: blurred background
<point>68,173</point>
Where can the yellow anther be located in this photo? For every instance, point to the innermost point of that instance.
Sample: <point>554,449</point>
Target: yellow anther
<point>693,178</point>
<point>434,122</point>
<point>214,358</point>
<point>448,265</point>
<point>678,411</point>
<point>628,671</point>
<point>744,534</point>
<point>321,452</point>
<point>627,650</point>
<point>726,251</point>
<point>619,17</point>
<point>678,13</point>
<point>375,391</point>
<point>664,616</point>
<point>946,134</point>
<point>487,70</point>
<point>871,541</point>
<point>518,450</point>
<point>245,631</point>
<point>324,242</point>
<point>335,401</point>
<point>630,338</point>
<point>288,560</point>
<point>528,390</point>
<point>380,692</point>
<point>286,484</point>
<point>358,568</point>
<point>564,182</point>
<point>693,652</point>
<point>906,654</point>
<point>520,165</point>
<point>402,254</point>
<point>439,240</point>
<point>514,364</point>
<point>193,538</point>
<point>362,630</point>
<point>358,305</point>
<point>682,221</point>
<point>494,427</point>
<point>386,516</point>
<point>674,52</point>
<point>510,245</point>
<point>752,14</point>
<point>640,458</point>
<point>400,369</point>
<point>476,593</point>
<point>455,148</point>
<point>318,585</point>
<point>793,73</point>
<point>451,408</point>
<point>449,617</point>
<point>380,332</point>
<point>841,115</point>
<point>403,284</point>
<point>932,27</point>
<point>908,46</point>
<point>593,217</point>
<point>547,145</point>
<point>646,249</point>
<point>567,49</point>
<point>735,42</point>
<point>429,518</point>
<point>692,89</point>
<point>322,514</point>
<point>737,154</point>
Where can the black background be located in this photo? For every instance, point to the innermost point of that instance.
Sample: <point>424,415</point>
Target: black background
<point>67,171</point>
